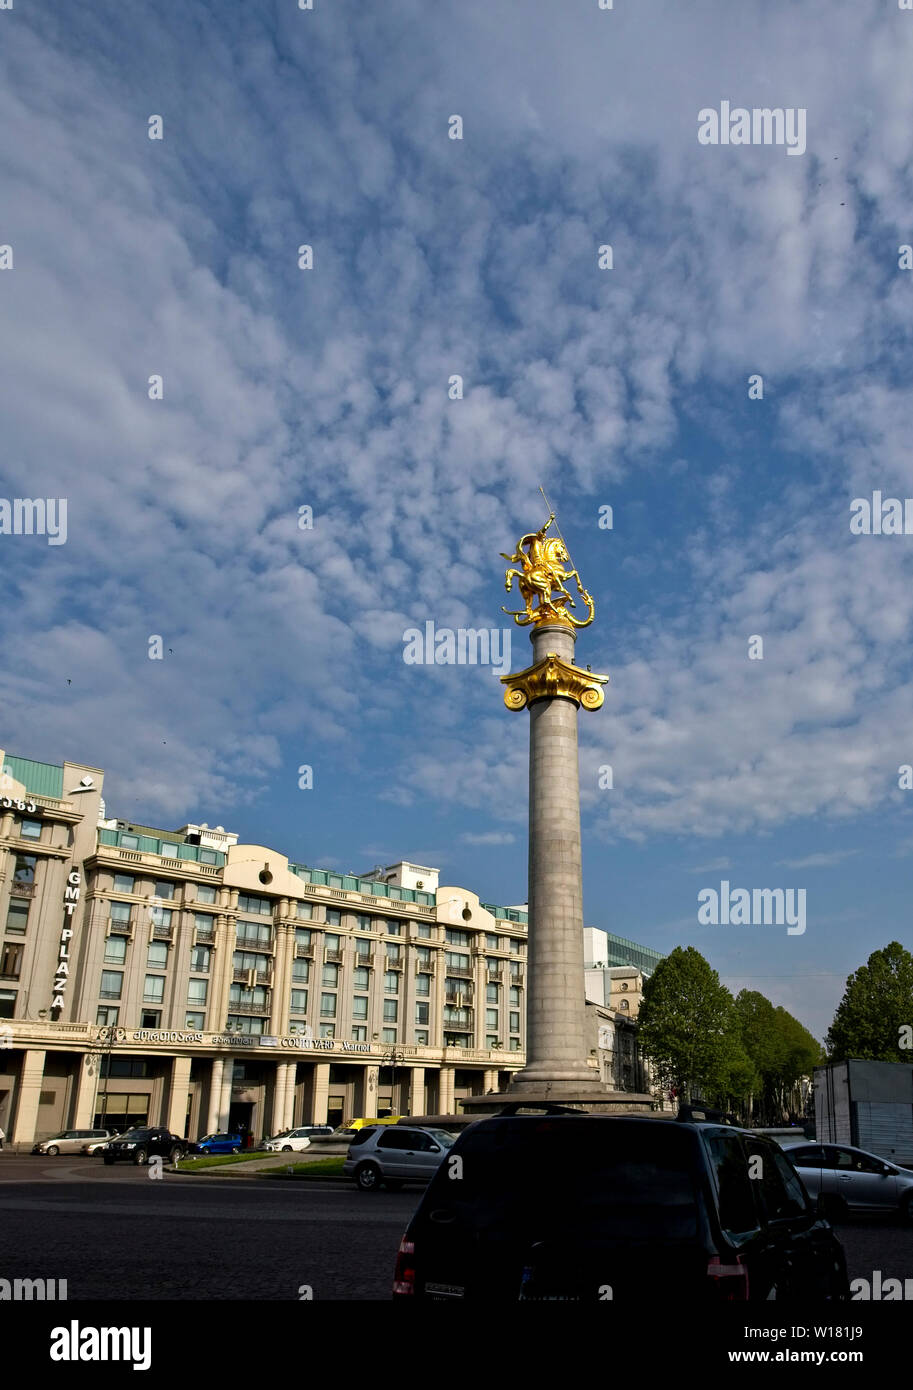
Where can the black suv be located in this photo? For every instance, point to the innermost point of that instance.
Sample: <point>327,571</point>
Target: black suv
<point>139,1145</point>
<point>606,1207</point>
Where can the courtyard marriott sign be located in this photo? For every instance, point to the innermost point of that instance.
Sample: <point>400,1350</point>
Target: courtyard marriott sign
<point>300,1041</point>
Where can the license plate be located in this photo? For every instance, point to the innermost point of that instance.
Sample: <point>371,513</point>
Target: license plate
<point>445,1290</point>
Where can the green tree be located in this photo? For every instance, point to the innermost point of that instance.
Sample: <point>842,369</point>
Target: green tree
<point>876,1006</point>
<point>781,1051</point>
<point>686,1026</point>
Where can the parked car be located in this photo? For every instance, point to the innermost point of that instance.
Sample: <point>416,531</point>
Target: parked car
<point>605,1207</point>
<point>293,1141</point>
<point>395,1154</point>
<point>139,1145</point>
<point>71,1141</point>
<point>218,1144</point>
<point>97,1145</point>
<point>852,1180</point>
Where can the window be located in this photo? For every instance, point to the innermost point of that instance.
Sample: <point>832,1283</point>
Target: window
<point>393,950</point>
<point>361,977</point>
<point>197,991</point>
<point>161,916</point>
<point>157,957</point>
<point>112,982</point>
<point>207,856</point>
<point>513,995</point>
<point>299,1001</point>
<point>738,1214</point>
<point>388,1035</point>
<point>391,982</point>
<point>150,1018</point>
<point>254,933</point>
<point>163,888</point>
<point>17,916</point>
<point>391,1010</point>
<point>359,1034</point>
<point>421,1037</point>
<point>779,1185</point>
<point>203,922</point>
<point>106,1015</point>
<point>129,842</point>
<point>119,912</point>
<point>462,1017</point>
<point>423,984</point>
<point>514,1022</point>
<point>421,1013</point>
<point>362,949</point>
<point>394,928</point>
<point>24,872</point>
<point>11,960</point>
<point>195,1021</point>
<point>624,1005</point>
<point>333,917</point>
<point>244,1023</point>
<point>491,994</point>
<point>491,1041</point>
<point>360,1006</point>
<point>305,911</point>
<point>456,938</point>
<point>247,903</point>
<point>456,960</point>
<point>515,970</point>
<point>124,883</point>
<point>846,1160</point>
<point>200,958</point>
<point>492,942</point>
<point>362,922</point>
<point>301,971</point>
<point>331,941</point>
<point>807,1158</point>
<point>7,1003</point>
<point>328,1030</point>
<point>154,989</point>
<point>206,893</point>
<point>168,849</point>
<point>302,936</point>
<point>515,1044</point>
<point>328,1006</point>
<point>116,949</point>
<point>330,976</point>
<point>515,945</point>
<point>423,955</point>
<point>423,929</point>
<point>124,1067</point>
<point>491,1018</point>
<point>30,830</point>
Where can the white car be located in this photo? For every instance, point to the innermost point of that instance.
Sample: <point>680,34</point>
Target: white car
<point>97,1145</point>
<point>294,1141</point>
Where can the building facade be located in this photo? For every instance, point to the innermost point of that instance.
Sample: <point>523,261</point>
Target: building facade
<point>181,978</point>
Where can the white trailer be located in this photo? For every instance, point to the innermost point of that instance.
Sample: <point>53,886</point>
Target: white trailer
<point>868,1105</point>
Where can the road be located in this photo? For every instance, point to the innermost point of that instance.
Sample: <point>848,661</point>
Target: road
<point>116,1233</point>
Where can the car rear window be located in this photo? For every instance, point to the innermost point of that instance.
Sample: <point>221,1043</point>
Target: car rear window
<point>593,1179</point>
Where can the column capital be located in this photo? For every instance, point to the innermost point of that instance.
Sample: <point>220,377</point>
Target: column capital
<point>550,677</point>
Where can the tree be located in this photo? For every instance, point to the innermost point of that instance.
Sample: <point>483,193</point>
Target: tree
<point>781,1052</point>
<point>687,1026</point>
<point>877,1004</point>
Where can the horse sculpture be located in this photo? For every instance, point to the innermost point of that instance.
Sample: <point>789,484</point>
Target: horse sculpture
<point>542,576</point>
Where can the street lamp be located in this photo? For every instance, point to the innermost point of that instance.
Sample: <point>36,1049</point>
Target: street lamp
<point>393,1057</point>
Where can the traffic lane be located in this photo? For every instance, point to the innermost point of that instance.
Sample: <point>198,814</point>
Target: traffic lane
<point>200,1239</point>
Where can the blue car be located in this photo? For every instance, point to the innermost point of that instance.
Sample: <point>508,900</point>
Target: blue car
<point>219,1144</point>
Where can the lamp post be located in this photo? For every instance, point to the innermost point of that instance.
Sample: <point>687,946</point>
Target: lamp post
<point>393,1057</point>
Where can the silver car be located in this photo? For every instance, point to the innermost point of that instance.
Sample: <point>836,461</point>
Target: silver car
<point>395,1154</point>
<point>72,1141</point>
<point>853,1180</point>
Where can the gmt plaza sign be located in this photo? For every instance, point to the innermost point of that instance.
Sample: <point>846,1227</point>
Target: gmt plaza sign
<point>70,902</point>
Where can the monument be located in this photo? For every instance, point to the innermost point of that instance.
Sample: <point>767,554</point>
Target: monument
<point>559,1068</point>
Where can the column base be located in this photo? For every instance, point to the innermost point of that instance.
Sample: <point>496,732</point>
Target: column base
<point>589,1096</point>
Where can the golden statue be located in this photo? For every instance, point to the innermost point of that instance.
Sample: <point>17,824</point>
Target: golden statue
<point>543,578</point>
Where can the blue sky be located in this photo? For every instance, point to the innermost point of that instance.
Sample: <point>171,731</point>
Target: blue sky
<point>328,388</point>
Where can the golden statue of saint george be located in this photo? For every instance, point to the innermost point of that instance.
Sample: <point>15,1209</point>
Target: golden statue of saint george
<point>543,577</point>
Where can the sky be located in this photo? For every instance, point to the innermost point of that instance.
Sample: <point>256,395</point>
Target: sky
<point>331,388</point>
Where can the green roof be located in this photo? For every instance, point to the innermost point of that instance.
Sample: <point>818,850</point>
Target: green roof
<point>41,779</point>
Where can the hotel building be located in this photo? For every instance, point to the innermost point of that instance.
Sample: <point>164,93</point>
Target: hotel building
<point>181,978</point>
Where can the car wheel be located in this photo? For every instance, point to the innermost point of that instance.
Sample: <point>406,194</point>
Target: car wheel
<point>176,1155</point>
<point>368,1177</point>
<point>236,1150</point>
<point>140,1156</point>
<point>53,1151</point>
<point>286,1148</point>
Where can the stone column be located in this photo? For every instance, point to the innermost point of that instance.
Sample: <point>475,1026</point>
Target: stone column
<point>228,1073</point>
<point>84,1102</point>
<point>320,1093</point>
<point>416,1099</point>
<point>556,1033</point>
<point>176,1111</point>
<point>445,1091</point>
<point>290,1096</point>
<point>31,1074</point>
<point>489,1081</point>
<point>215,1095</point>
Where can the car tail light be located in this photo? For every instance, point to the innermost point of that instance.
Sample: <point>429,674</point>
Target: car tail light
<point>729,1283</point>
<point>404,1277</point>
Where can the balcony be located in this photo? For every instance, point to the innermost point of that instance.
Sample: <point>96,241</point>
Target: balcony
<point>332,957</point>
<point>460,972</point>
<point>118,926</point>
<point>304,953</point>
<point>495,972</point>
<point>393,964</point>
<point>264,977</point>
<point>461,998</point>
<point>162,933</point>
<point>20,889</point>
<point>424,967</point>
<point>204,934</point>
<point>237,1007</point>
